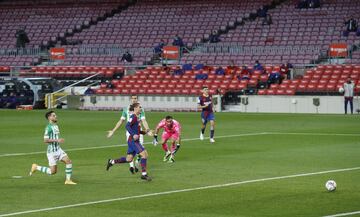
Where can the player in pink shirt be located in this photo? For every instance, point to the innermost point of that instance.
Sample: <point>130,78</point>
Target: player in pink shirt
<point>172,131</point>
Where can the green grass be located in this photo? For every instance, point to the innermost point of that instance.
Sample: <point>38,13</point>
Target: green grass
<point>198,164</point>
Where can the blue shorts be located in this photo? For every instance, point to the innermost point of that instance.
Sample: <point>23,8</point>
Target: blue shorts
<point>134,147</point>
<point>206,118</point>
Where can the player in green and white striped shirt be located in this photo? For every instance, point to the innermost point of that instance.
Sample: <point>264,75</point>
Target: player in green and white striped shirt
<point>124,118</point>
<point>54,151</point>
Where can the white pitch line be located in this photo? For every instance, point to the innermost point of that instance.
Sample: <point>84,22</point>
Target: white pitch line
<point>178,191</point>
<point>344,214</point>
<point>191,139</point>
<point>316,134</point>
<point>111,146</point>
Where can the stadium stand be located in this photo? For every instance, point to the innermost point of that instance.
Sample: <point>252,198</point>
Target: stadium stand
<point>96,35</point>
<point>321,80</point>
<point>46,22</point>
<point>146,23</point>
<point>295,35</point>
<point>355,58</point>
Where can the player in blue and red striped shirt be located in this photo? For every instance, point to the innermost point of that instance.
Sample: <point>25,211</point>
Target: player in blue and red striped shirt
<point>207,113</point>
<point>134,146</point>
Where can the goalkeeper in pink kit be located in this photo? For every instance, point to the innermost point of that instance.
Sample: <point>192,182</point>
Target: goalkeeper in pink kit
<point>172,132</point>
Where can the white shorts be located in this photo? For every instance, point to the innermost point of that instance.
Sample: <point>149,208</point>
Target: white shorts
<point>54,157</point>
<point>141,139</point>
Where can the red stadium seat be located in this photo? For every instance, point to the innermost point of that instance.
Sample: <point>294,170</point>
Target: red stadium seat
<point>262,92</point>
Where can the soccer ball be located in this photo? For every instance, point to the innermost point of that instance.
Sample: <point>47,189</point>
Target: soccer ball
<point>341,90</point>
<point>330,185</point>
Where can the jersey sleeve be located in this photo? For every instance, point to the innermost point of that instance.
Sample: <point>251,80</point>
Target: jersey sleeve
<point>130,123</point>
<point>177,126</point>
<point>123,114</point>
<point>47,132</point>
<point>142,115</point>
<point>161,124</point>
<point>200,102</point>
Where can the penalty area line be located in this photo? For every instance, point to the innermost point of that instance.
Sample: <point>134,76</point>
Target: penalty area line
<point>179,191</point>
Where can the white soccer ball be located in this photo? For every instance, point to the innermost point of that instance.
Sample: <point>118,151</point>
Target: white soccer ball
<point>341,90</point>
<point>330,185</point>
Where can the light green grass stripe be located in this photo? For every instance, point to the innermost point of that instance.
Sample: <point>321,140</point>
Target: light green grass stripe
<point>179,191</point>
<point>191,139</point>
<point>121,145</point>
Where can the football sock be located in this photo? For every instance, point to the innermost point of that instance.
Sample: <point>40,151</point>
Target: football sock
<point>131,164</point>
<point>138,159</point>
<point>120,160</point>
<point>165,147</point>
<point>202,130</point>
<point>173,147</point>
<point>44,169</point>
<point>177,148</point>
<point>68,171</point>
<point>212,132</point>
<point>143,166</point>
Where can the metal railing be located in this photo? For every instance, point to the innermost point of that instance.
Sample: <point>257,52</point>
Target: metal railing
<point>238,48</point>
<point>109,50</point>
<point>22,51</point>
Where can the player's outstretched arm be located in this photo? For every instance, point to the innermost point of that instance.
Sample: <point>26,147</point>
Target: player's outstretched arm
<point>150,132</point>
<point>145,124</point>
<point>117,126</point>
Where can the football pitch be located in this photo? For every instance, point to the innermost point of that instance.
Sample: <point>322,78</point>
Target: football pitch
<point>260,165</point>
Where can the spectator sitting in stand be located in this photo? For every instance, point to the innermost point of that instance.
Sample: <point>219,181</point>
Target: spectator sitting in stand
<point>178,41</point>
<point>245,73</point>
<point>159,48</point>
<point>284,71</point>
<point>214,37</point>
<point>89,91</point>
<point>258,66</point>
<point>303,4</point>
<point>220,71</point>
<point>262,11</point>
<point>267,20</point>
<point>313,3</point>
<point>274,77</point>
<point>231,68</point>
<point>127,57</point>
<point>290,68</point>
<point>199,66</point>
<point>187,67</point>
<point>201,76</point>
<point>178,71</point>
<point>21,38</point>
<point>351,26</point>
